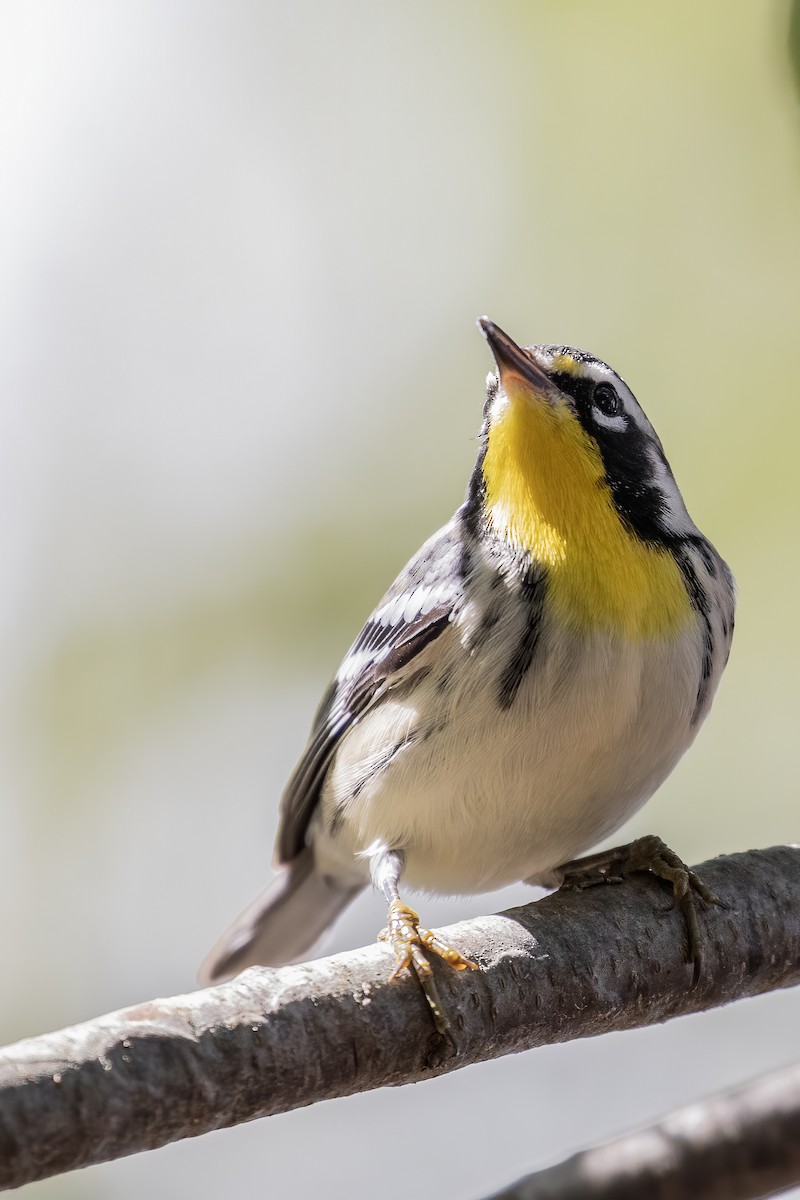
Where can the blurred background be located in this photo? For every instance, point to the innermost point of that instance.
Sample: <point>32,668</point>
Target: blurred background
<point>242,248</point>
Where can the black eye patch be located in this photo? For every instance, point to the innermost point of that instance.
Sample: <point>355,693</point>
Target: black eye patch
<point>625,453</point>
<point>579,387</point>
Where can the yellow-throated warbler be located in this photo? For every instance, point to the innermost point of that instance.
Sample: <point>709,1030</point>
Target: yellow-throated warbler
<point>532,676</point>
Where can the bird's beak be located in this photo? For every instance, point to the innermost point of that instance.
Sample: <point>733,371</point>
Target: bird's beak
<point>511,359</point>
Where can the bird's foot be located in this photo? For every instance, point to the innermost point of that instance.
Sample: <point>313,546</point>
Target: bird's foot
<point>407,938</point>
<point>654,856</point>
<point>409,941</point>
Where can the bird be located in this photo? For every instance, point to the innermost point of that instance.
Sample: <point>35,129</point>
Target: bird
<point>529,680</point>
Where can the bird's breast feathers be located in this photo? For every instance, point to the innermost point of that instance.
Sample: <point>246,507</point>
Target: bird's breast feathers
<point>479,793</point>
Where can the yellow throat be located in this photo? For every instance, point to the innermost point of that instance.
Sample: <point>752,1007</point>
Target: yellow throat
<point>546,493</point>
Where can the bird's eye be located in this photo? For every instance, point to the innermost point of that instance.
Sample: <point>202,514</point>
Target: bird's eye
<point>606,399</point>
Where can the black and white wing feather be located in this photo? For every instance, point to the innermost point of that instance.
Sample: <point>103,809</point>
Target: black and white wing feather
<point>415,611</point>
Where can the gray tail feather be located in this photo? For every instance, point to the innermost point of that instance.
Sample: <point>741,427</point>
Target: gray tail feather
<point>282,924</point>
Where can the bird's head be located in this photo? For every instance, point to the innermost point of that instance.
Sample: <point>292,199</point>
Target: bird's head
<point>569,459</point>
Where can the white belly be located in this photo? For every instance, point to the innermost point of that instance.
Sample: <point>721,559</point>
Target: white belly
<point>478,797</point>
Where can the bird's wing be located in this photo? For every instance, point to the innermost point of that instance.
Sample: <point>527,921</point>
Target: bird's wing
<point>415,611</point>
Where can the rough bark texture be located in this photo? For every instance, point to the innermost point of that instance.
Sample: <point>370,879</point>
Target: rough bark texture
<point>575,964</point>
<point>739,1146</point>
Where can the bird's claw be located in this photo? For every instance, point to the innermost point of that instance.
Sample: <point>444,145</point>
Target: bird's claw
<point>653,855</point>
<point>407,938</point>
<point>409,941</point>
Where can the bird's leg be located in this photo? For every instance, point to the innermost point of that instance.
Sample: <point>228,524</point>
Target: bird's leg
<point>652,855</point>
<point>406,937</point>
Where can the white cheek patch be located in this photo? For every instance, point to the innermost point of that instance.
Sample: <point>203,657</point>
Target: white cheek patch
<point>676,516</point>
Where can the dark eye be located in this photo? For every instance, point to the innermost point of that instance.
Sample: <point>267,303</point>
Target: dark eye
<point>606,399</point>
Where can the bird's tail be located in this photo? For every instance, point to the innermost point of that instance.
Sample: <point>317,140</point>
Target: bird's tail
<point>282,924</point>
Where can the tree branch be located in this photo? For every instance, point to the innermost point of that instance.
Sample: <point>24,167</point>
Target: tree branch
<point>571,965</point>
<point>738,1145</point>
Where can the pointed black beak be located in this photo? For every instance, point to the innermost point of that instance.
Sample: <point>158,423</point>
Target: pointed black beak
<point>511,358</point>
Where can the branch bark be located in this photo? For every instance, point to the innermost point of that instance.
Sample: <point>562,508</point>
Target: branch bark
<point>739,1145</point>
<point>571,965</point>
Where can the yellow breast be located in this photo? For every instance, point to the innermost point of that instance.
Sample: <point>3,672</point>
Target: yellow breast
<point>546,493</point>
